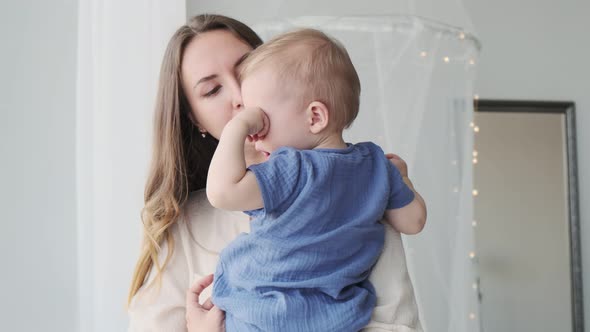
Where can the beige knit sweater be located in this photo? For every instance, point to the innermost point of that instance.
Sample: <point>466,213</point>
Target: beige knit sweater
<point>204,231</point>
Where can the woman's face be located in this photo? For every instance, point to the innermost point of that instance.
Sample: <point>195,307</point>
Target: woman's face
<point>209,79</point>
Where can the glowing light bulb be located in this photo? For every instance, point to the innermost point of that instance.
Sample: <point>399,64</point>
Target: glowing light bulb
<point>476,129</point>
<point>446,59</point>
<point>472,255</point>
<point>423,54</point>
<point>476,97</point>
<point>471,62</point>
<point>472,316</point>
<point>471,124</point>
<point>475,160</point>
<point>475,153</point>
<point>475,193</point>
<point>474,223</point>
<point>461,35</point>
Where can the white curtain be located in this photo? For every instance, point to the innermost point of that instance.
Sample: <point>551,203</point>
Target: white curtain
<point>120,47</point>
<point>417,67</point>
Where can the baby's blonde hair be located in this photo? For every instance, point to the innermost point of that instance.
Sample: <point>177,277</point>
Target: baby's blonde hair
<point>316,63</point>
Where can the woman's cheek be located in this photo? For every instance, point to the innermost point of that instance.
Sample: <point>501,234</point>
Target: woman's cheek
<point>221,119</point>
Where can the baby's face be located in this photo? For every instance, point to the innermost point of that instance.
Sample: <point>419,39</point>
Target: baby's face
<point>286,112</point>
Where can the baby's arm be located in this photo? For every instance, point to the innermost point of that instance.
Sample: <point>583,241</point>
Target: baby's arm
<point>230,185</point>
<point>411,218</point>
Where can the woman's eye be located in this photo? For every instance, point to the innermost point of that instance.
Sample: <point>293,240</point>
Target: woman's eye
<point>213,91</point>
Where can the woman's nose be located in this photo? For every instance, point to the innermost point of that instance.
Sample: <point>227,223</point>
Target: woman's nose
<point>237,104</point>
<point>236,107</point>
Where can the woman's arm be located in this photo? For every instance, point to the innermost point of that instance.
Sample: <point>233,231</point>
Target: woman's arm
<point>396,308</point>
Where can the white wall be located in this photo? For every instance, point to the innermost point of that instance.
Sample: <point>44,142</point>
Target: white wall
<point>37,180</point>
<point>449,11</point>
<point>538,49</point>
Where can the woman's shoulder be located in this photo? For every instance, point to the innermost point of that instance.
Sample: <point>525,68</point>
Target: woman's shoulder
<point>208,227</point>
<point>197,202</point>
<point>199,212</point>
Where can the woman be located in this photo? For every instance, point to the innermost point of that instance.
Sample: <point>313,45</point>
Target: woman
<point>183,234</point>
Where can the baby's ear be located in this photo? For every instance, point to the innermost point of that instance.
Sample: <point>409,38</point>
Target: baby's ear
<point>318,116</point>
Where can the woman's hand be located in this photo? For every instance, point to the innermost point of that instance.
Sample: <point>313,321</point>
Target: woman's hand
<point>399,163</point>
<point>206,317</point>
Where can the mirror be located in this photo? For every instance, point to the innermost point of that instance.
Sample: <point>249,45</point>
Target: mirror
<point>527,229</point>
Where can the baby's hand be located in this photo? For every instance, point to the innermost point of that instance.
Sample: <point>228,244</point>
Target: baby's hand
<point>256,121</point>
<point>399,163</point>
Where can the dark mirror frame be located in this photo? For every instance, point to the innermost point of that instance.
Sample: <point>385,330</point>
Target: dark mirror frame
<point>568,109</point>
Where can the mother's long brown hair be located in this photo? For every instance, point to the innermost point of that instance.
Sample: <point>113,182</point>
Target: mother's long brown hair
<point>180,156</point>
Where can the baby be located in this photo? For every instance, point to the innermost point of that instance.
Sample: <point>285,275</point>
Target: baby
<point>316,203</point>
